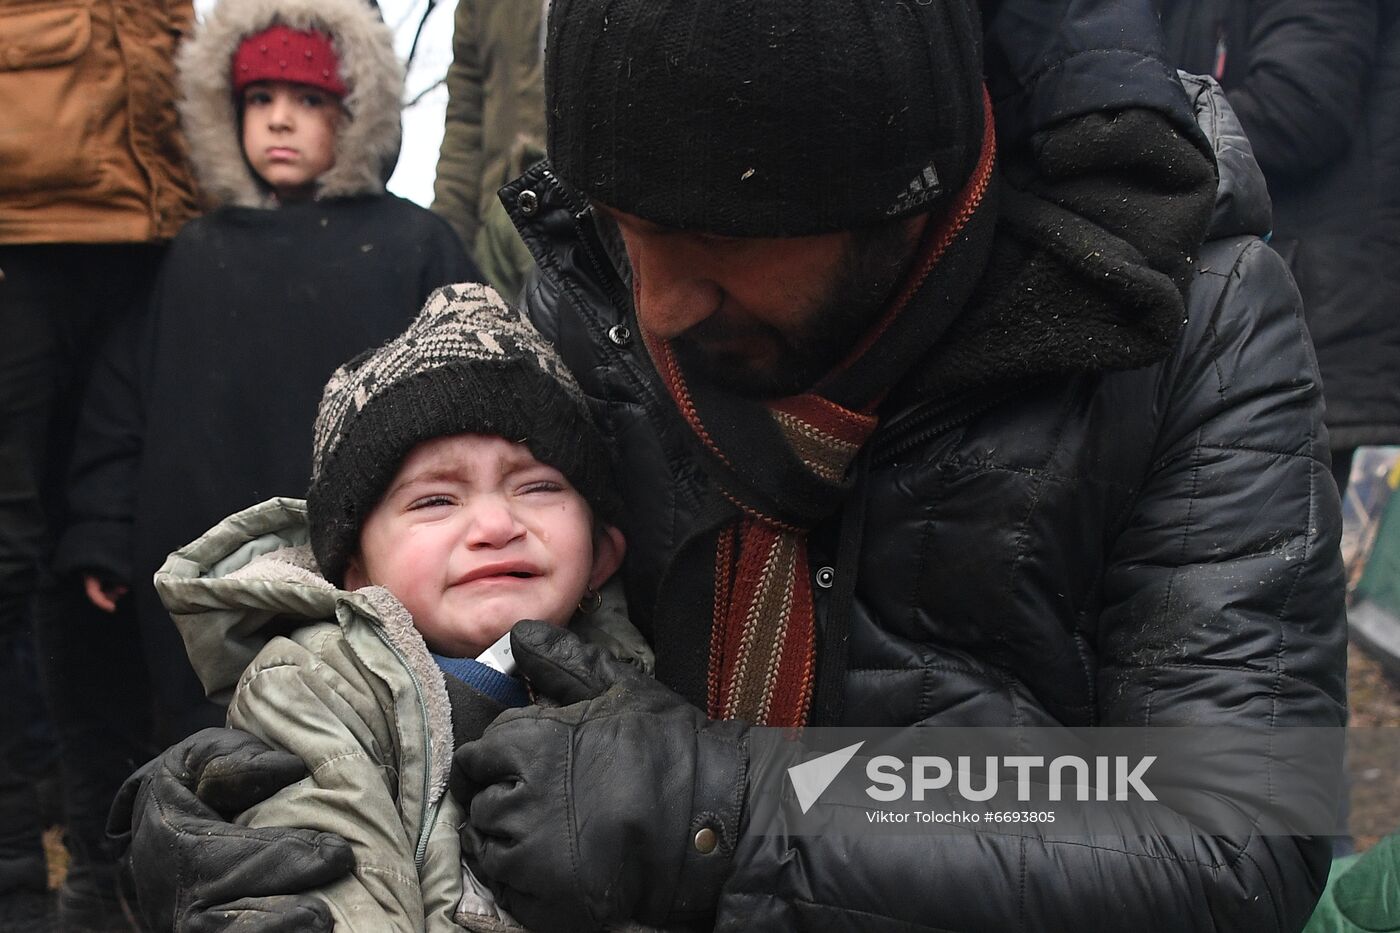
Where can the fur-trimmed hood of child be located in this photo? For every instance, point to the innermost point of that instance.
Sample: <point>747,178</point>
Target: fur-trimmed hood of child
<point>367,145</point>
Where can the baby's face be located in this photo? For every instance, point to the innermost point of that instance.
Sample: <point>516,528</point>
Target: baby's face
<point>475,534</point>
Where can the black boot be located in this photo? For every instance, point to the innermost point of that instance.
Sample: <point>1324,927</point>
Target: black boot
<point>89,901</point>
<point>26,911</point>
<point>24,872</point>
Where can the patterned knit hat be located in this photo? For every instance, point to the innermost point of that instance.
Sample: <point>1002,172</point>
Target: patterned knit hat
<point>467,364</point>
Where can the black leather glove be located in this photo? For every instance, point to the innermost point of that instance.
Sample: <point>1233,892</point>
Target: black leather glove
<point>192,871</point>
<point>624,803</point>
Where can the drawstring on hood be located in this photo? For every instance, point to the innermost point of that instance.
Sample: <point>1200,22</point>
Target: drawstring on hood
<point>367,144</point>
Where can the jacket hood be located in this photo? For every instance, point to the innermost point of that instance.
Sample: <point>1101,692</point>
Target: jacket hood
<point>253,577</point>
<point>368,142</point>
<point>1242,204</point>
<point>245,580</point>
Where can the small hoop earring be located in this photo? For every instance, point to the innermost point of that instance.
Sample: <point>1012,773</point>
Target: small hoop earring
<point>590,602</point>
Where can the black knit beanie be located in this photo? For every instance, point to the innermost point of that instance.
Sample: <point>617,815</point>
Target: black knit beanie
<point>467,364</point>
<point>765,117</point>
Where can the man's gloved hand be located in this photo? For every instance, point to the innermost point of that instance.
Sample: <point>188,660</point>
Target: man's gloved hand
<point>192,871</point>
<point>623,803</point>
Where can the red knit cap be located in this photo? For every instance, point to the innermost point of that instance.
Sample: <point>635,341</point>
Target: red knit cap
<point>280,53</point>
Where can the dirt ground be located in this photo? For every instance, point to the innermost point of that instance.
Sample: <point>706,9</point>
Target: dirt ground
<point>1375,774</point>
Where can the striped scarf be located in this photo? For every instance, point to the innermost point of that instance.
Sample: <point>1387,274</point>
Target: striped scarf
<point>783,465</point>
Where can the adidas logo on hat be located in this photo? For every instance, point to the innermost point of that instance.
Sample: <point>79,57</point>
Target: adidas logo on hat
<point>924,188</point>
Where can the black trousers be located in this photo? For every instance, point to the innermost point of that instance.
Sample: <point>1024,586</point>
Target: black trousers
<point>56,301</point>
<point>99,696</point>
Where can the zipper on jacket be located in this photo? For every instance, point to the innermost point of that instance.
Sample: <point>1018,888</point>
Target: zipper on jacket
<point>420,855</point>
<point>604,274</point>
<point>429,812</point>
<point>580,213</point>
<point>597,253</point>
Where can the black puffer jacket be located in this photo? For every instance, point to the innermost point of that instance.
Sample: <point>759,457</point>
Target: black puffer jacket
<point>1315,88</point>
<point>1151,546</point>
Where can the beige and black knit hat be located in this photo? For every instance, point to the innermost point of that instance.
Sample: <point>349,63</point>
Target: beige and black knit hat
<point>467,364</point>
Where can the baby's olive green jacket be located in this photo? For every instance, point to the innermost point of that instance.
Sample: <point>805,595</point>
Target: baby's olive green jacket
<point>344,681</point>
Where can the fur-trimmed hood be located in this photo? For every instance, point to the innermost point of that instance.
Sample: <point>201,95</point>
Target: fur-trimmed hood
<point>229,591</point>
<point>368,142</point>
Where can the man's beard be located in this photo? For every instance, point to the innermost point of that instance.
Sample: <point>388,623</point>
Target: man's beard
<point>873,265</point>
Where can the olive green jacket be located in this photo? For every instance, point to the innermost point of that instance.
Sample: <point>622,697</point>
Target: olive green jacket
<point>494,130</point>
<point>344,681</point>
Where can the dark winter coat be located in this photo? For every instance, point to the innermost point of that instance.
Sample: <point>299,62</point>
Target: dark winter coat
<point>1119,548</point>
<point>1315,88</point>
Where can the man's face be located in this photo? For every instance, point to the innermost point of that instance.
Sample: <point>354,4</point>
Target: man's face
<point>762,316</point>
<point>475,534</point>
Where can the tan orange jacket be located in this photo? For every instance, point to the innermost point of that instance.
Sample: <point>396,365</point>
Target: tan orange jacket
<point>90,147</point>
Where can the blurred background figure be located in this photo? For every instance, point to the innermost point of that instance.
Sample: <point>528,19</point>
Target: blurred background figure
<point>1316,88</point>
<point>494,130</point>
<point>92,182</point>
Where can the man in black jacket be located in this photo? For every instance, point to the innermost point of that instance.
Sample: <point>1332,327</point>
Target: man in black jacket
<point>914,428</point>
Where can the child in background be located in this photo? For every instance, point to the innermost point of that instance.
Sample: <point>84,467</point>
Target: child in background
<point>459,486</point>
<point>291,109</point>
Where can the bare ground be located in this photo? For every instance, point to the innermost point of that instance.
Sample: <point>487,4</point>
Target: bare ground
<point>1375,773</point>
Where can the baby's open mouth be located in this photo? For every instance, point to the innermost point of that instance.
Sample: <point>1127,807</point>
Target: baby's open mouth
<point>503,570</point>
